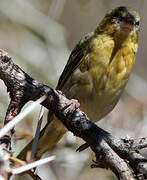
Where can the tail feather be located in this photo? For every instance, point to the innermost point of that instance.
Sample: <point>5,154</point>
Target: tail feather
<point>49,137</point>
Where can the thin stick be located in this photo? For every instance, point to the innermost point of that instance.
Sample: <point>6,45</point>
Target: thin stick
<point>37,133</point>
<point>32,165</point>
<point>20,116</point>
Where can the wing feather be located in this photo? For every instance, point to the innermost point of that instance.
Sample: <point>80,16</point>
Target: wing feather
<point>76,57</point>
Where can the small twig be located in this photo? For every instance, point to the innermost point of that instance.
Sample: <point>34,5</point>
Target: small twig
<point>19,117</point>
<point>4,166</point>
<point>112,161</point>
<point>34,146</point>
<point>32,165</point>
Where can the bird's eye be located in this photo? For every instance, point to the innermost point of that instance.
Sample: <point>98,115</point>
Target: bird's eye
<point>116,15</point>
<point>137,23</point>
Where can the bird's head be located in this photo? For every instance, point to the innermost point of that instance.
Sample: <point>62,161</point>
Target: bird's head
<point>121,20</point>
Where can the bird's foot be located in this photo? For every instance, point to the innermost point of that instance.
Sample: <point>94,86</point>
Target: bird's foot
<point>74,104</point>
<point>71,106</point>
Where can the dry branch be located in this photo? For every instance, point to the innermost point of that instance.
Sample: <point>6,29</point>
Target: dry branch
<point>120,155</point>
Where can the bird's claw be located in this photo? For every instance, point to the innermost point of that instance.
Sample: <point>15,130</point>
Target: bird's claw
<point>72,105</point>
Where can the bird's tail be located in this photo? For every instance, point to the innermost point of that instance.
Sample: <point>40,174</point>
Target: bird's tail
<point>49,136</point>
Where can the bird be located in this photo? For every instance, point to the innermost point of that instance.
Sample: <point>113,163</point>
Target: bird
<point>96,72</point>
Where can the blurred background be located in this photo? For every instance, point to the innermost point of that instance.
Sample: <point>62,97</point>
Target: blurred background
<point>40,35</point>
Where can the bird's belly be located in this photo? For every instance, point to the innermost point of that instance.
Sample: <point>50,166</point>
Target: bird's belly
<point>98,106</point>
<point>95,104</point>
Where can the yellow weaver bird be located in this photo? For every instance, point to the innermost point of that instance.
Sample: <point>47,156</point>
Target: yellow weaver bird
<point>97,71</point>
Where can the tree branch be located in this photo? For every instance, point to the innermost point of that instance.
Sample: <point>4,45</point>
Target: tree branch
<point>120,155</point>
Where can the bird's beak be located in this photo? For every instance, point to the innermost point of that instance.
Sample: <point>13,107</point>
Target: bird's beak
<point>126,27</point>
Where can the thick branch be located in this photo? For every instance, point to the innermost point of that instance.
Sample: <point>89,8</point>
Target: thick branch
<point>111,150</point>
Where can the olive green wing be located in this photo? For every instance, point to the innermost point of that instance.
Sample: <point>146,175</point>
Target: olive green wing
<point>76,57</point>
